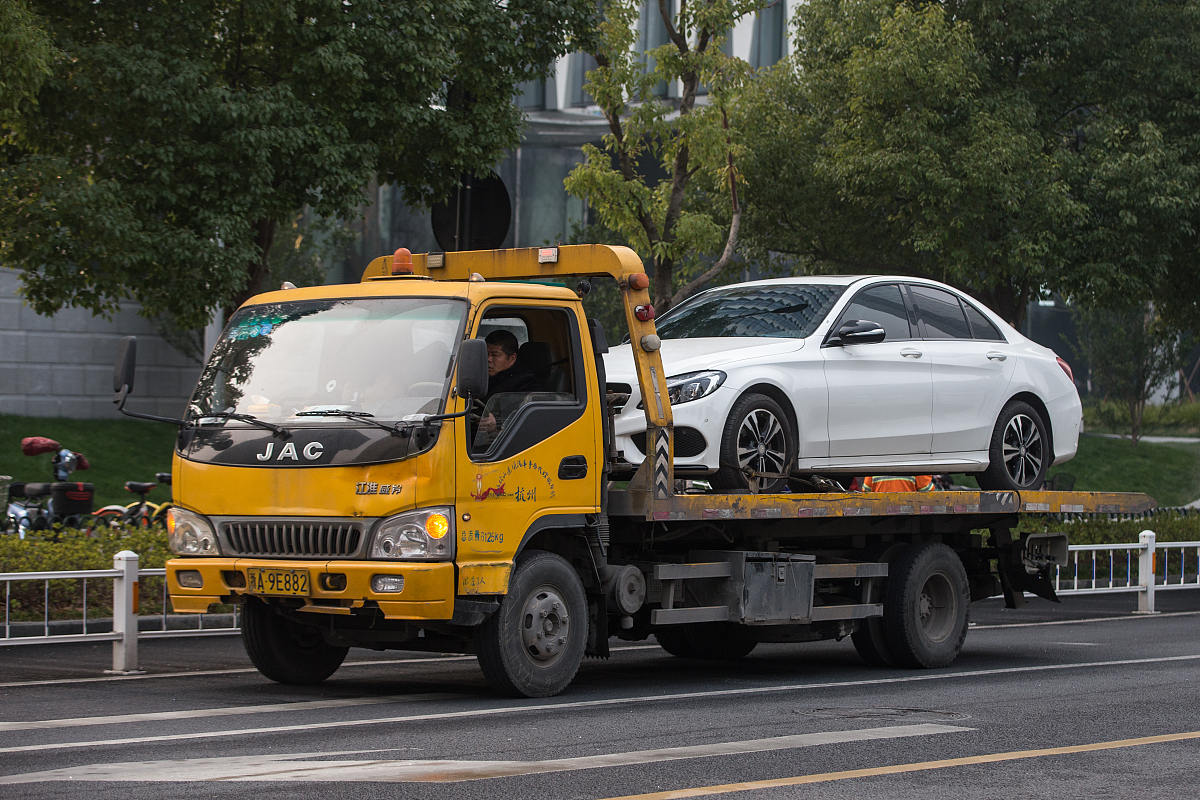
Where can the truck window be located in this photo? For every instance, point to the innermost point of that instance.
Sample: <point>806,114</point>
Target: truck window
<point>535,380</point>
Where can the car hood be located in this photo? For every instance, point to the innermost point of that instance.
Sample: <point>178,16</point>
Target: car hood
<point>692,355</point>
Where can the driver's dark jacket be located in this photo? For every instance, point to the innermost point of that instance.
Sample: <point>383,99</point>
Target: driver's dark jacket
<point>516,378</point>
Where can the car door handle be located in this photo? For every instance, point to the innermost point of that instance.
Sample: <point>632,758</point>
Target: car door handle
<point>572,468</point>
<point>996,356</point>
<point>909,352</point>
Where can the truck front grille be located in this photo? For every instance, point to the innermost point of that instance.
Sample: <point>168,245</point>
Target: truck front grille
<point>293,538</point>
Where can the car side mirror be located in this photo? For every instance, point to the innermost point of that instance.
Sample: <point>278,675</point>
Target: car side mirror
<point>124,368</point>
<point>472,368</point>
<point>859,331</point>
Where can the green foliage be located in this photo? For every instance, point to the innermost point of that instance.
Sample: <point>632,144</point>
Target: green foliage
<point>177,137</point>
<point>1166,527</point>
<point>690,210</point>
<point>118,450</point>
<point>1169,419</point>
<point>63,550</point>
<point>26,54</point>
<point>1008,148</point>
<point>1131,354</point>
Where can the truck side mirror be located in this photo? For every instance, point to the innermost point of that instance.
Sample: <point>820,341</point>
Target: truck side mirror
<point>599,340</point>
<point>472,368</point>
<point>124,368</point>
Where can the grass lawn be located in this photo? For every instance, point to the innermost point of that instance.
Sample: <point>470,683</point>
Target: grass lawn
<point>119,450</point>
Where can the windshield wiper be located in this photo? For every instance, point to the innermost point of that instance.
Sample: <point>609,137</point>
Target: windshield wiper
<point>365,416</point>
<point>276,429</point>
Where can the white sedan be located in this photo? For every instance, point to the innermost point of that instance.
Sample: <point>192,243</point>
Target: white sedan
<point>844,375</point>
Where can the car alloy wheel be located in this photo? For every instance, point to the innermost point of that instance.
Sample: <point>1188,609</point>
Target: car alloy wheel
<point>762,445</point>
<point>1023,450</point>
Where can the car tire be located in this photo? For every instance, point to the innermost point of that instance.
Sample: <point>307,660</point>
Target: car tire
<point>926,608</point>
<point>533,645</point>
<point>1019,453</point>
<point>757,435</point>
<point>287,651</point>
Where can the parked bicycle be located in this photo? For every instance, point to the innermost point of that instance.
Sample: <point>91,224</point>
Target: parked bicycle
<point>40,506</point>
<point>141,512</point>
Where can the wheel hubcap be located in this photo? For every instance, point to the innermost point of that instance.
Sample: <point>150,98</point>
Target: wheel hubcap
<point>762,445</point>
<point>937,607</point>
<point>1023,450</point>
<point>545,626</point>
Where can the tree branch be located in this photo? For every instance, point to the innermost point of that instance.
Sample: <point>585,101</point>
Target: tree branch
<point>674,35</point>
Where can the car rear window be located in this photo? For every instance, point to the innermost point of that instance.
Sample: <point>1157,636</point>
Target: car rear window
<point>941,313</point>
<point>788,312</point>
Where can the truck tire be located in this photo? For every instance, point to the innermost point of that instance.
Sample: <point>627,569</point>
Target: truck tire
<point>870,640</point>
<point>287,651</point>
<point>708,642</point>
<point>533,646</point>
<point>926,606</point>
<point>675,641</point>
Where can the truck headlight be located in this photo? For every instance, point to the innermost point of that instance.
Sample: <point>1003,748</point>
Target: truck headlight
<point>427,533</point>
<point>692,386</point>
<point>189,534</point>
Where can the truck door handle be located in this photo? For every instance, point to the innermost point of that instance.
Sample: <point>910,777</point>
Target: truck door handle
<point>572,468</point>
<point>996,356</point>
<point>909,352</point>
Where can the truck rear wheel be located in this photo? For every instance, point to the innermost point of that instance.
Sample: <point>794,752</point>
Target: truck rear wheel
<point>287,651</point>
<point>870,640</point>
<point>707,641</point>
<point>926,606</point>
<point>533,645</point>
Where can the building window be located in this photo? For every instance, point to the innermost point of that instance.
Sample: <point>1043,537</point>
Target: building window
<point>770,35</point>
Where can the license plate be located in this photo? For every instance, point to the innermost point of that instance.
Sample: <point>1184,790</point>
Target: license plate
<point>278,581</point>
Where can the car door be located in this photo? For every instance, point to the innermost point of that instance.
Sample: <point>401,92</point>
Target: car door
<point>972,366</point>
<point>881,394</point>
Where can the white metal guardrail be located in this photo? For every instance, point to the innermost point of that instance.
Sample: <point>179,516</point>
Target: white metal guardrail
<point>124,635</point>
<point>1146,567</point>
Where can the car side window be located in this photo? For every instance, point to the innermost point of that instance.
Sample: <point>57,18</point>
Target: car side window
<point>884,305</point>
<point>532,390</point>
<point>940,314</point>
<point>981,326</point>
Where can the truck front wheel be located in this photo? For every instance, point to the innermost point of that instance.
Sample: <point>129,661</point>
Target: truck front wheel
<point>926,606</point>
<point>284,650</point>
<point>533,645</point>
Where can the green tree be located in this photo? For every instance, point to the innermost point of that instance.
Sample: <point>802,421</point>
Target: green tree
<point>1006,147</point>
<point>693,209</point>
<point>175,138</point>
<point>26,54</point>
<point>1132,353</point>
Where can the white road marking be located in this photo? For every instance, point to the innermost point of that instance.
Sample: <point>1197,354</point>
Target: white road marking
<point>247,670</point>
<point>294,767</point>
<point>1004,625</point>
<point>227,711</point>
<point>1078,644</point>
<point>616,701</point>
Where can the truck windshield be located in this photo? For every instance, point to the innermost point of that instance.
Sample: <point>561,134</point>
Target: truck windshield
<point>789,311</point>
<point>387,357</point>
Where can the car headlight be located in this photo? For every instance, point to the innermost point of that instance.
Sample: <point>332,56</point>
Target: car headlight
<point>427,533</point>
<point>692,386</point>
<point>189,534</point>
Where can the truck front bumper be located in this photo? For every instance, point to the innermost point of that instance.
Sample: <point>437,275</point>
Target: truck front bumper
<point>428,590</point>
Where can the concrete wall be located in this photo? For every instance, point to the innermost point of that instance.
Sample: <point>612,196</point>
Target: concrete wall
<point>62,366</point>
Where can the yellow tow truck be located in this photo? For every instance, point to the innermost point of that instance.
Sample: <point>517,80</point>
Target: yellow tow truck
<point>339,475</point>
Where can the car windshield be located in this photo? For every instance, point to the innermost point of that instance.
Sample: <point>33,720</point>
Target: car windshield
<point>790,311</point>
<point>384,357</point>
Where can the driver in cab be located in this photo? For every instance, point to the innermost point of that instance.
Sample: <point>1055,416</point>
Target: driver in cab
<point>505,374</point>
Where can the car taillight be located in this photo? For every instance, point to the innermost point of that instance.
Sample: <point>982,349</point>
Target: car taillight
<point>1066,368</point>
